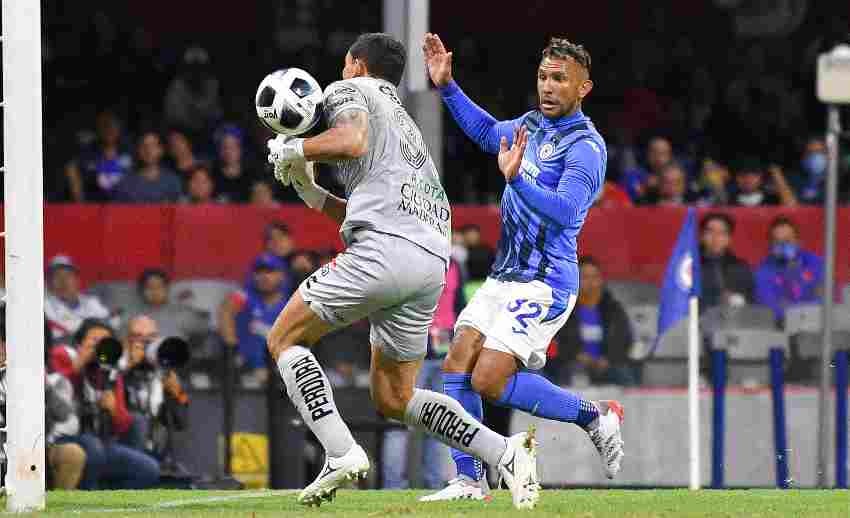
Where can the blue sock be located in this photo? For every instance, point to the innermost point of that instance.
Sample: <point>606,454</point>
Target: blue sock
<point>459,387</point>
<point>538,396</point>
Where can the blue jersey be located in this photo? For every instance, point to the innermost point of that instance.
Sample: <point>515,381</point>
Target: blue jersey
<point>253,323</point>
<point>544,207</point>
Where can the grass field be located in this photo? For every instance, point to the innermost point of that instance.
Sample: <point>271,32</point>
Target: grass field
<point>380,504</point>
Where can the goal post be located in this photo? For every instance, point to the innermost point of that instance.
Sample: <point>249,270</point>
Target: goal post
<point>24,243</point>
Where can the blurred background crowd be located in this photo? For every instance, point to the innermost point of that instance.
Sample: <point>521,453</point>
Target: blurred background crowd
<point>699,104</point>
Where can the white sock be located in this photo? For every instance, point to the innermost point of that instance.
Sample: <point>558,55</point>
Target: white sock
<point>310,392</point>
<point>444,418</point>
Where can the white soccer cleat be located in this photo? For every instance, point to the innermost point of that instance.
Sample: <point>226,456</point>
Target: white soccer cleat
<point>606,436</point>
<point>460,488</point>
<point>518,468</point>
<point>336,472</point>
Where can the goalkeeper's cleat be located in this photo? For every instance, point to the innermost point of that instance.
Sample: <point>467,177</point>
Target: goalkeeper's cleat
<point>336,472</point>
<point>461,488</point>
<point>605,433</point>
<point>518,468</point>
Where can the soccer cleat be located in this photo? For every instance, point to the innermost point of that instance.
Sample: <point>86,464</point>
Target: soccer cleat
<point>336,472</point>
<point>460,488</point>
<point>518,468</point>
<point>605,433</point>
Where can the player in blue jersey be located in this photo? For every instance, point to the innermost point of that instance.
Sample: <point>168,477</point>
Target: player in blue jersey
<point>553,160</point>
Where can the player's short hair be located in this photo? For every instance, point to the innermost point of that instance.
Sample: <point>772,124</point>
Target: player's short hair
<point>718,216</point>
<point>384,55</point>
<point>560,48</point>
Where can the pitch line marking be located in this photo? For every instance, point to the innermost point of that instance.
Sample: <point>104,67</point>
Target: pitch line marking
<point>188,501</point>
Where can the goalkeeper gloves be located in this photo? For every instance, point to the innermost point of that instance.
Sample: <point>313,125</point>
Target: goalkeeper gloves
<point>287,156</point>
<point>283,153</point>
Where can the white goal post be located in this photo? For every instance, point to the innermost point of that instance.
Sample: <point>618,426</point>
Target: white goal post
<point>24,240</point>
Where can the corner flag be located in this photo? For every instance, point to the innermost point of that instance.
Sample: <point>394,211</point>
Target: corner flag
<point>679,300</point>
<point>681,278</point>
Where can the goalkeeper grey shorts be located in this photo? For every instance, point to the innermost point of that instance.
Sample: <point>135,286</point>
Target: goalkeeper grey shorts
<point>390,280</point>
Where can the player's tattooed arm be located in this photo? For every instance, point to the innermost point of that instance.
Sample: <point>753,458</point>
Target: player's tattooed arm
<point>346,139</point>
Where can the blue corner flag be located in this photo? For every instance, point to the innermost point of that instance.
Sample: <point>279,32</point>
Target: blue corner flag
<point>681,278</point>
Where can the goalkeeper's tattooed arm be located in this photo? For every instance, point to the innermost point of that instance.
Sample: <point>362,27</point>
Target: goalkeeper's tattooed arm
<point>346,139</point>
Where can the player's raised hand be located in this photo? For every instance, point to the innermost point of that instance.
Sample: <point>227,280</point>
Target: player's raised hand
<point>439,61</point>
<point>511,158</point>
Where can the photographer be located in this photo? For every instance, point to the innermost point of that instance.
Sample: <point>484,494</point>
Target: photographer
<point>91,367</point>
<point>153,390</point>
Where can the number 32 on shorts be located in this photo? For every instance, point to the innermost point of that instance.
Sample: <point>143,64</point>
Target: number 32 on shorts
<point>524,311</point>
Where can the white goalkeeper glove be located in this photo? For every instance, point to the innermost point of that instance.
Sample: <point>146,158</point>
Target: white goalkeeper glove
<point>284,152</point>
<point>303,179</point>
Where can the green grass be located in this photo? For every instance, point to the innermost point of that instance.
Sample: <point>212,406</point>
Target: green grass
<point>386,504</point>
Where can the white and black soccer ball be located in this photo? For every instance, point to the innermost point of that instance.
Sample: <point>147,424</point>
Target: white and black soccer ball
<point>289,101</point>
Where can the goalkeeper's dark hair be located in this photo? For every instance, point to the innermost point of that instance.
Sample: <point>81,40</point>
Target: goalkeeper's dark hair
<point>560,48</point>
<point>384,55</point>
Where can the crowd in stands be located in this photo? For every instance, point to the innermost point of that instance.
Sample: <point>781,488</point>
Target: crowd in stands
<point>109,420</point>
<point>686,122</point>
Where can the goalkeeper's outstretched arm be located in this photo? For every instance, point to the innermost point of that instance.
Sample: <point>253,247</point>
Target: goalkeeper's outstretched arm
<point>478,125</point>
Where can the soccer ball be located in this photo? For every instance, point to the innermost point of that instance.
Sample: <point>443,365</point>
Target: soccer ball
<point>289,101</point>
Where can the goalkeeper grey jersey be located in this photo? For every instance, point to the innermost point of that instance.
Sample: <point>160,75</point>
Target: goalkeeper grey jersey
<point>394,188</point>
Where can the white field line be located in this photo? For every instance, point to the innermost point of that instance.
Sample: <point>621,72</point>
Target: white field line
<point>171,504</point>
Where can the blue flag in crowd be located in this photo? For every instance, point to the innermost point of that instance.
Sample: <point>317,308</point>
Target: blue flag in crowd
<point>681,278</point>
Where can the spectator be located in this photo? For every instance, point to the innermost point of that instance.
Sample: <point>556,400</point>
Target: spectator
<point>180,153</point>
<point>672,187</point>
<point>613,196</point>
<point>789,274</point>
<point>752,190</point>
<point>151,183</point>
<point>154,397</point>
<point>640,182</point>
<point>98,169</point>
<point>809,182</point>
<point>262,195</point>
<point>233,178</point>
<point>105,419</point>
<point>302,263</point>
<point>596,340</point>
<point>65,306</point>
<point>726,279</point>
<point>279,241</point>
<point>247,315</point>
<point>471,235</point>
<point>200,187</point>
<point>713,185</point>
<point>170,318</point>
<point>430,377</point>
<point>192,98</point>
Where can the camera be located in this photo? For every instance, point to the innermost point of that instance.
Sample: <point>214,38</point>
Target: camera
<point>170,353</point>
